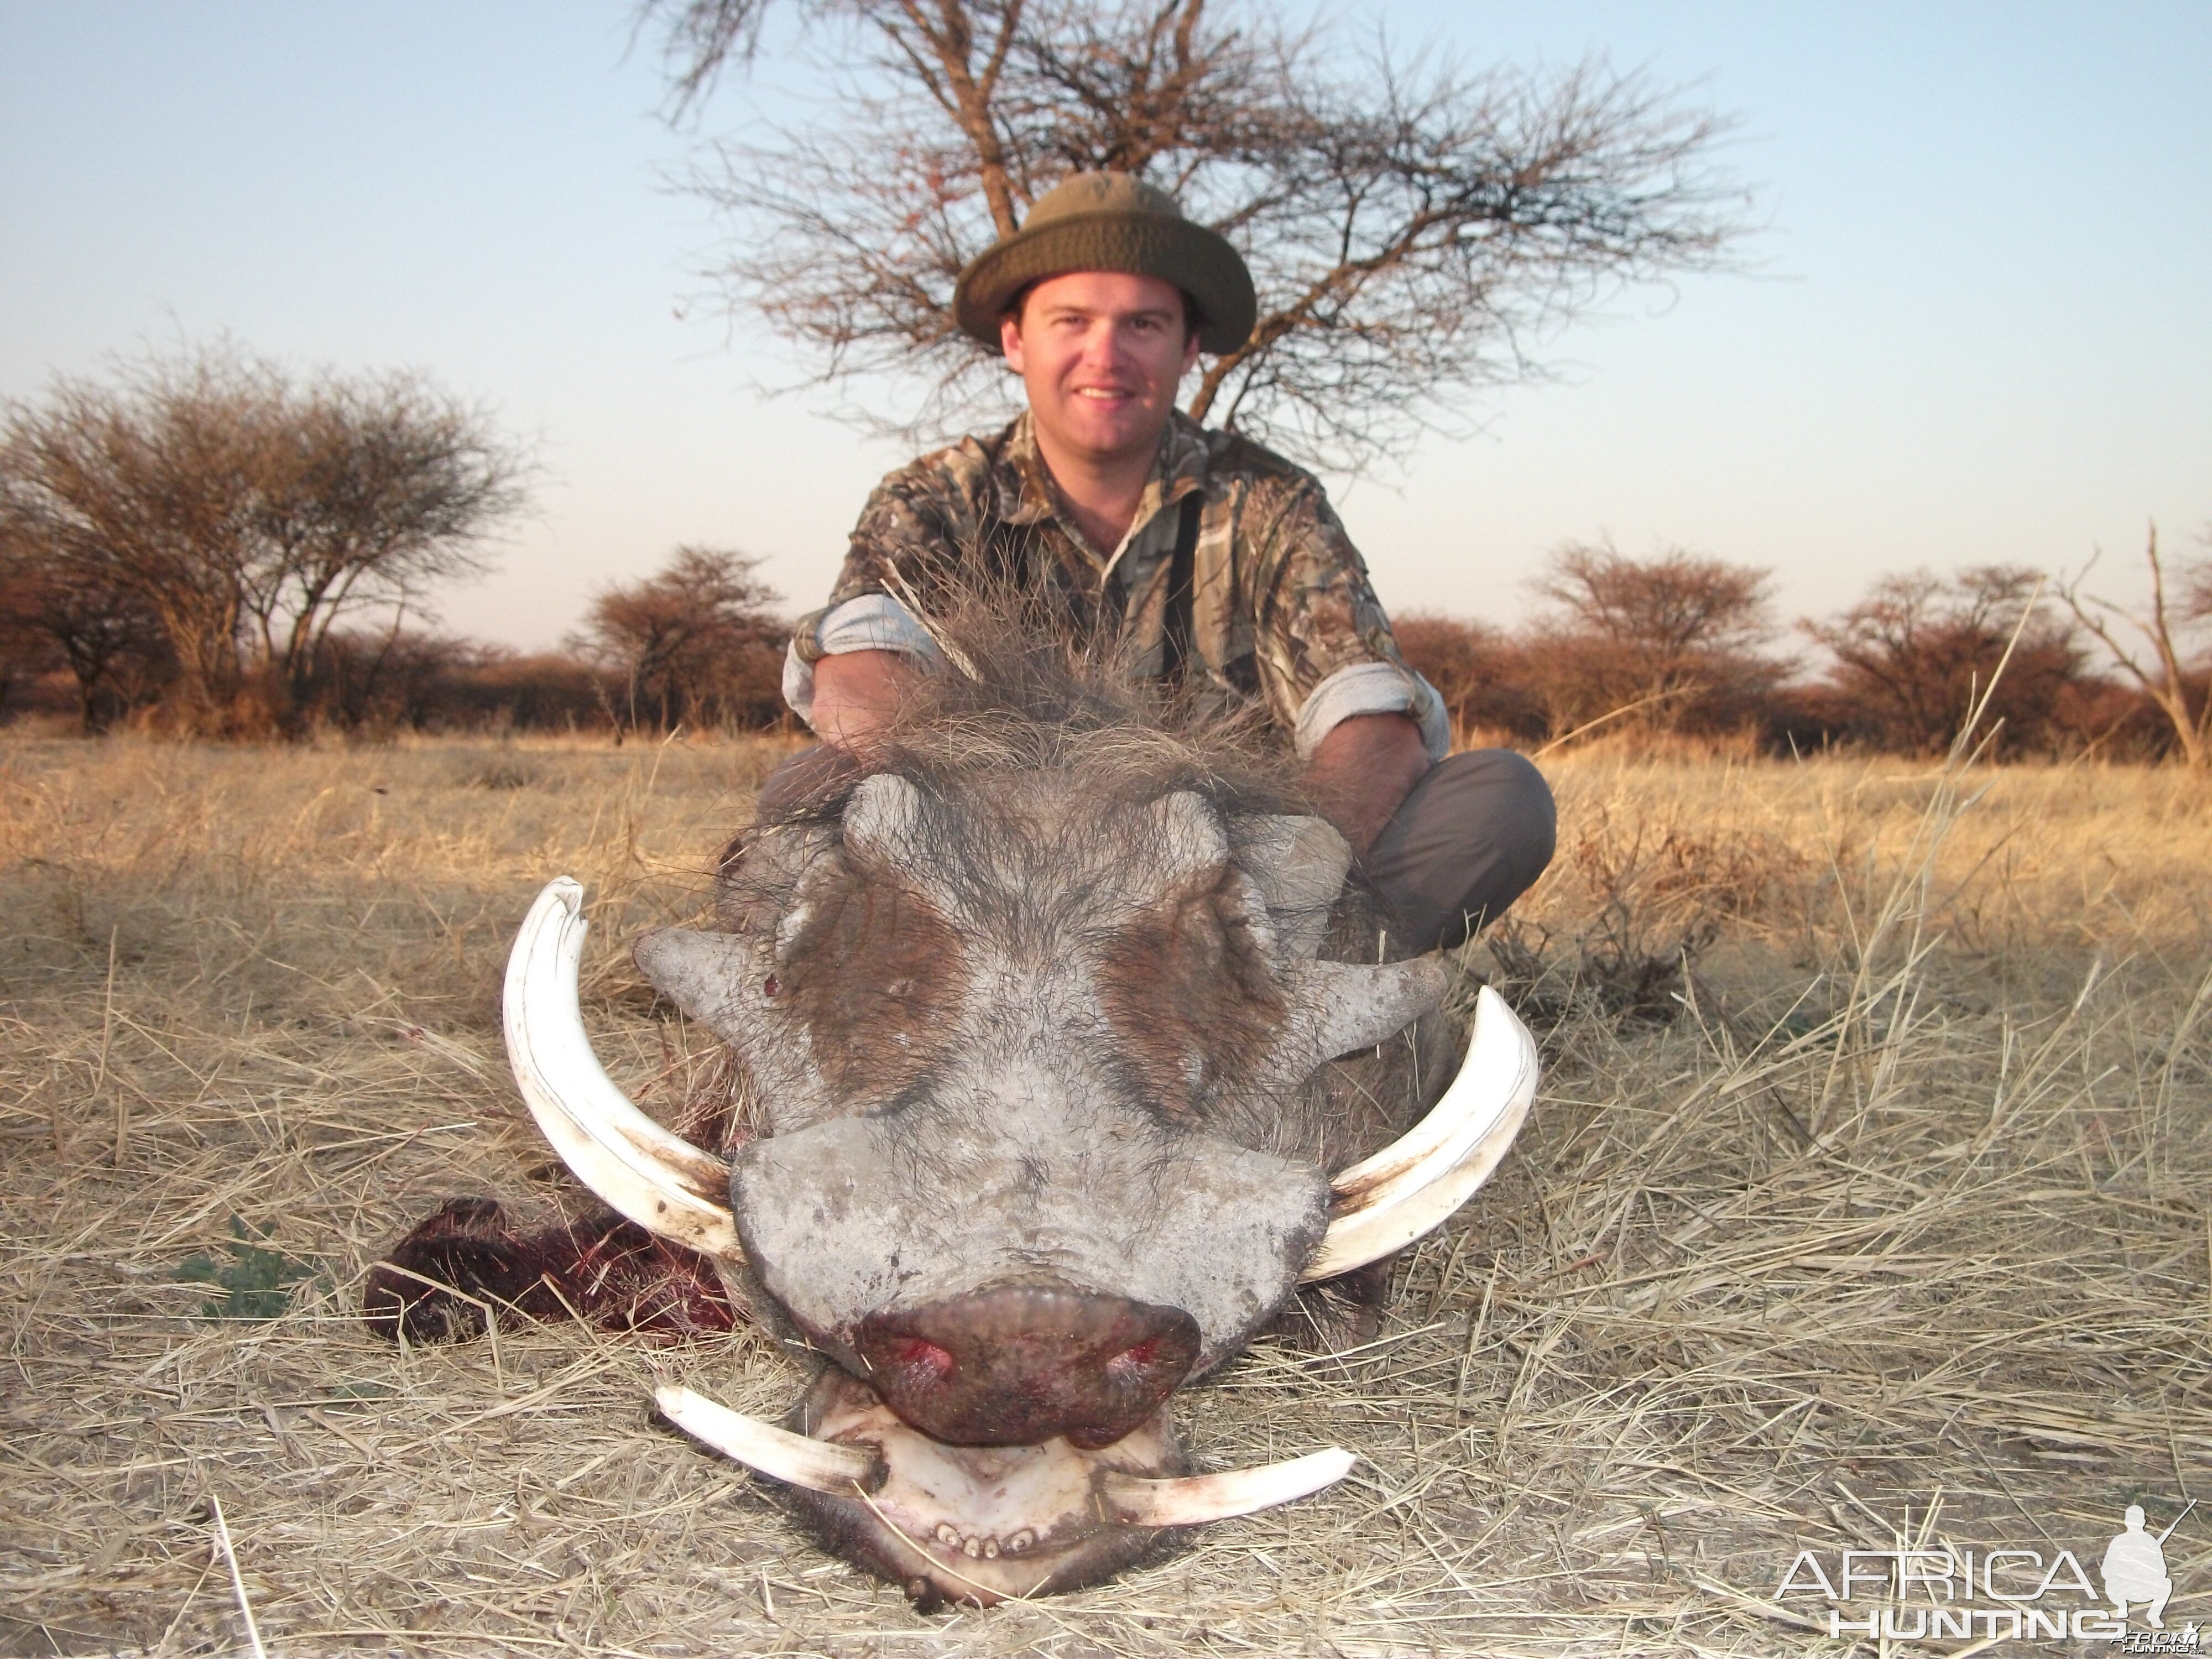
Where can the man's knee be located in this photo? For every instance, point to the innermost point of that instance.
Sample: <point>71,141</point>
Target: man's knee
<point>1471,837</point>
<point>1523,822</point>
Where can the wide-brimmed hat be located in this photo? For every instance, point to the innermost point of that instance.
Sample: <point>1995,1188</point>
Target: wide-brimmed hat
<point>1111,221</point>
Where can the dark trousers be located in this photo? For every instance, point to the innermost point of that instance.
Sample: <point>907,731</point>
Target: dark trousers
<point>1471,838</point>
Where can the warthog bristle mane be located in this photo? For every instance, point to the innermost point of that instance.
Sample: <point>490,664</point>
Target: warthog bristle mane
<point>1014,693</point>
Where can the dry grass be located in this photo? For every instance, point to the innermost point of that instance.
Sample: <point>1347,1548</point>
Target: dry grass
<point>1901,1227</point>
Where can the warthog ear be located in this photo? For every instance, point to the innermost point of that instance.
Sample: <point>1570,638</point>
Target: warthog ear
<point>1188,837</point>
<point>1299,866</point>
<point>887,823</point>
<point>884,822</point>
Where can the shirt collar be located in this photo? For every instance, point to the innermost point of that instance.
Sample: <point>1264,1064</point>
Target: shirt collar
<point>1026,493</point>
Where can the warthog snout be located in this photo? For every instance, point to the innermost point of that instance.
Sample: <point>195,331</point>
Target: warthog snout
<point>1020,1363</point>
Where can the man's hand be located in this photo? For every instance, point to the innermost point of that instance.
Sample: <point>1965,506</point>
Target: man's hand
<point>1362,773</point>
<point>856,695</point>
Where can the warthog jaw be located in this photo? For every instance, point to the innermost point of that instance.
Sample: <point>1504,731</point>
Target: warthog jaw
<point>986,1523</point>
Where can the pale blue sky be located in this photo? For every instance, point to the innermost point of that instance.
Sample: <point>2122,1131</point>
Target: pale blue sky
<point>1980,329</point>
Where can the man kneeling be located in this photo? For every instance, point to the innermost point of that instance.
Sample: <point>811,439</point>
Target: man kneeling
<point>1215,566</point>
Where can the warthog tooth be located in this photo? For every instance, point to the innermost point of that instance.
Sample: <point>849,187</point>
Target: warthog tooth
<point>659,1180</point>
<point>815,1464</point>
<point>1201,1498</point>
<point>1387,1202</point>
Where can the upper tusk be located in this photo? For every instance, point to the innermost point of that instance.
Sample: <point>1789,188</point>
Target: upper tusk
<point>1200,1498</point>
<point>659,1180</point>
<point>816,1464</point>
<point>1385,1202</point>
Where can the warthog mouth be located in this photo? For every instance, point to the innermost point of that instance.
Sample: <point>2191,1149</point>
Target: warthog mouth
<point>984,1525</point>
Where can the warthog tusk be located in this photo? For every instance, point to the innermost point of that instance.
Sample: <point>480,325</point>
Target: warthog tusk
<point>817,1465</point>
<point>1200,1498</point>
<point>659,1180</point>
<point>1385,1202</point>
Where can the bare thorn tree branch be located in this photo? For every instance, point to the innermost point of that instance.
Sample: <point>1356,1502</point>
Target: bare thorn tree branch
<point>2166,678</point>
<point>1416,231</point>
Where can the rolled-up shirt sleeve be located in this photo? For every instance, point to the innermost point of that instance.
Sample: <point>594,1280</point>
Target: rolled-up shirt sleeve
<point>1373,688</point>
<point>872,622</point>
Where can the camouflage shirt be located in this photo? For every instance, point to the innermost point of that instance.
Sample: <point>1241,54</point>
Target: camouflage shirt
<point>1280,609</point>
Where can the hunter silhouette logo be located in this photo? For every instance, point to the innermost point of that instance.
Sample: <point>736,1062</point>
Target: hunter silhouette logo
<point>2135,1567</point>
<point>2000,1593</point>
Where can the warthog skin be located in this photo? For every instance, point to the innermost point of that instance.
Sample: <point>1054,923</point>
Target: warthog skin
<point>1040,1022</point>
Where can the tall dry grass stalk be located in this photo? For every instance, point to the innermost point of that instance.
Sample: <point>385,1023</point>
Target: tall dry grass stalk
<point>1898,1227</point>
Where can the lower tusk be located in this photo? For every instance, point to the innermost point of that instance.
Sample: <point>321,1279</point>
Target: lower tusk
<point>816,1464</point>
<point>1201,1497</point>
<point>659,1180</point>
<point>1412,1186</point>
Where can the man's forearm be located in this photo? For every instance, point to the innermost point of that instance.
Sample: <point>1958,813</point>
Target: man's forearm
<point>1363,771</point>
<point>856,693</point>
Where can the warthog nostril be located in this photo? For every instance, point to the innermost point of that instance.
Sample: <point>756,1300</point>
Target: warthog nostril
<point>1137,1360</point>
<point>913,1352</point>
<point>1020,1363</point>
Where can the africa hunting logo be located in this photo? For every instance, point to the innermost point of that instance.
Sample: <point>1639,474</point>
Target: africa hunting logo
<point>1999,1594</point>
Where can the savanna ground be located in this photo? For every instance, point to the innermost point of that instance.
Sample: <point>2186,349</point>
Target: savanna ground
<point>1889,1221</point>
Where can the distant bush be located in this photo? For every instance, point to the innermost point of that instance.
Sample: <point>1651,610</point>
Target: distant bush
<point>188,537</point>
<point>1674,644</point>
<point>1914,657</point>
<point>695,643</point>
<point>1481,672</point>
<point>1668,654</point>
<point>422,682</point>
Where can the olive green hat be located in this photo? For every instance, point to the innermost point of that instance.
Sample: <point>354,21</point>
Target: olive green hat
<point>1111,222</point>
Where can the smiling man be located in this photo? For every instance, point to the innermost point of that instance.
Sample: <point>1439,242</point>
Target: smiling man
<point>1215,564</point>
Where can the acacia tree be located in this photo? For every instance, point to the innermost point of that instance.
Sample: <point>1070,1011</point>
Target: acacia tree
<point>1672,643</point>
<point>2182,694</point>
<point>379,488</point>
<point>1413,230</point>
<point>1919,654</point>
<point>108,637</point>
<point>695,642</point>
<point>247,514</point>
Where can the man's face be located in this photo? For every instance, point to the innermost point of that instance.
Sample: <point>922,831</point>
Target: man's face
<point>1101,353</point>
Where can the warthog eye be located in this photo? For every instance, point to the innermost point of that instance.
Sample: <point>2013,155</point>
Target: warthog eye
<point>770,986</point>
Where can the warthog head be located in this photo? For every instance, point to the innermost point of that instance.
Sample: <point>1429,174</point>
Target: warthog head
<point>1041,1019</point>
